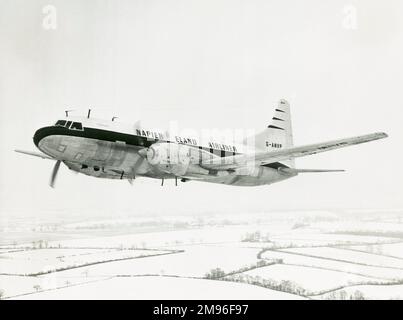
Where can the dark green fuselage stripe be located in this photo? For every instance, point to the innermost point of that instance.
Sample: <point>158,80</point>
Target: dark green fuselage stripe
<point>113,136</point>
<point>129,139</point>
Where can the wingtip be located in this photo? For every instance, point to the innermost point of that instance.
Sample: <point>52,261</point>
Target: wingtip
<point>379,135</point>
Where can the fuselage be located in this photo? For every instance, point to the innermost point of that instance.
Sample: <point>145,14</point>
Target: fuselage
<point>110,149</point>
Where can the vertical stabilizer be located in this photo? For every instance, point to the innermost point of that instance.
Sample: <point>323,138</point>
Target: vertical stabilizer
<point>278,134</point>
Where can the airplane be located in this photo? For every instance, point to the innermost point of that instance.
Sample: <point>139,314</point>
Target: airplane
<point>114,150</point>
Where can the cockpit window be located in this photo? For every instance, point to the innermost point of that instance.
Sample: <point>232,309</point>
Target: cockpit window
<point>60,123</point>
<point>70,125</point>
<point>76,126</point>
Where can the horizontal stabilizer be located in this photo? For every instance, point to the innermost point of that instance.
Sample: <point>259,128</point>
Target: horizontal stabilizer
<point>293,170</point>
<point>35,154</point>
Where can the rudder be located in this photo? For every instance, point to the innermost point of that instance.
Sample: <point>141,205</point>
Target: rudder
<point>278,134</point>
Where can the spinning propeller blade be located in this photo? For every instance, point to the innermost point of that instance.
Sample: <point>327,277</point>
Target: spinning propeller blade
<point>54,173</point>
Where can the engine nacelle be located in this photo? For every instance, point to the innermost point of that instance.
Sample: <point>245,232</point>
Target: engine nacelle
<point>252,171</point>
<point>171,158</point>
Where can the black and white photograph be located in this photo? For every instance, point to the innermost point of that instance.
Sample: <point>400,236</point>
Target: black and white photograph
<point>202,150</point>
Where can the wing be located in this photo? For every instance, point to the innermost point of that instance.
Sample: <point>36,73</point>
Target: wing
<point>262,158</point>
<point>35,154</point>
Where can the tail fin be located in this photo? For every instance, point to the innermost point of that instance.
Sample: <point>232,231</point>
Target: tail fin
<point>278,134</point>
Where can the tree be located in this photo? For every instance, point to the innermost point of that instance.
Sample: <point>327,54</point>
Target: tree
<point>261,263</point>
<point>287,285</point>
<point>215,273</point>
<point>37,287</point>
<point>343,295</point>
<point>331,296</point>
<point>358,295</point>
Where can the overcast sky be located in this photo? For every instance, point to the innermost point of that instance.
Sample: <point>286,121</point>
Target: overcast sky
<point>207,64</point>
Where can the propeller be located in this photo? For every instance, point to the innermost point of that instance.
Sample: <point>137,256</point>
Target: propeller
<point>54,173</point>
<point>137,164</point>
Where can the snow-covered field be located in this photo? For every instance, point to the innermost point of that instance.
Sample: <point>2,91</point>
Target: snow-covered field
<point>392,249</point>
<point>218,234</point>
<point>316,255</point>
<point>379,292</point>
<point>195,261</point>
<point>312,237</point>
<point>376,273</point>
<point>303,276</point>
<point>161,288</point>
<point>28,262</point>
<point>14,286</point>
<point>356,257</point>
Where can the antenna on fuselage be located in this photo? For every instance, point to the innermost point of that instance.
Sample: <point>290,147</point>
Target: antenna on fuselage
<point>67,112</point>
<point>89,112</point>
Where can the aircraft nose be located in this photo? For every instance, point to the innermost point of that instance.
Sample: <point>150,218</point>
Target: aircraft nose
<point>39,135</point>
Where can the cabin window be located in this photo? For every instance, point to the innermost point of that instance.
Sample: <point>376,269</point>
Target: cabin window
<point>60,123</point>
<point>68,124</point>
<point>76,126</point>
